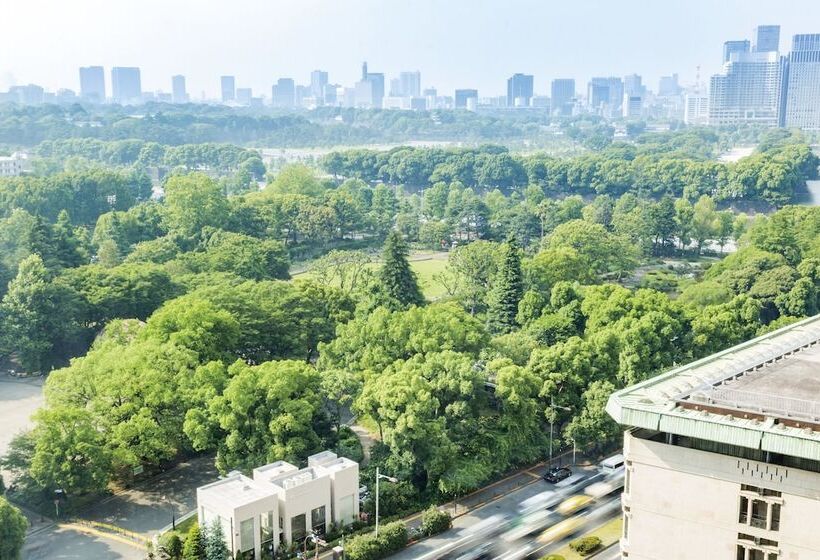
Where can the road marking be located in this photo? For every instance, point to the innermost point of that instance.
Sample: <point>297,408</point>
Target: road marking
<point>532,474</point>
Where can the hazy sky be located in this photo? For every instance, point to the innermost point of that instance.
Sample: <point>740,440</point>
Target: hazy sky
<point>454,43</point>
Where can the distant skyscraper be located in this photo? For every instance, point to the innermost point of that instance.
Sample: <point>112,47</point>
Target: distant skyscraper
<point>803,89</point>
<point>631,106</point>
<point>364,70</point>
<point>244,96</point>
<point>605,95</point>
<point>31,94</point>
<point>696,109</point>
<point>92,83</point>
<point>178,91</point>
<point>126,87</point>
<point>228,84</point>
<point>284,93</point>
<point>519,90</point>
<point>633,85</point>
<point>462,96</point>
<point>395,88</point>
<point>410,84</point>
<point>748,90</point>
<point>318,81</point>
<point>730,47</point>
<point>766,38</point>
<point>562,93</point>
<point>330,94</point>
<point>668,85</point>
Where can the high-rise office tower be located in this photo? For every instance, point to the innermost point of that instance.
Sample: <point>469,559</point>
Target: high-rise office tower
<point>318,81</point>
<point>92,83</point>
<point>605,95</point>
<point>395,88</point>
<point>178,91</point>
<point>364,70</point>
<point>284,93</point>
<point>228,86</point>
<point>126,87</point>
<point>696,108</point>
<point>330,94</point>
<point>463,95</point>
<point>633,85</point>
<point>668,86</point>
<point>730,47</point>
<point>244,96</point>
<point>803,83</point>
<point>748,90</point>
<point>562,94</point>
<point>766,38</point>
<point>519,90</point>
<point>410,83</point>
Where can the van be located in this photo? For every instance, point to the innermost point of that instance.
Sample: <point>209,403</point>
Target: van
<point>612,464</point>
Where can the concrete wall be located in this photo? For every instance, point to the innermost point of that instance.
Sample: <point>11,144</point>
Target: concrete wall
<point>683,504</point>
<point>303,499</point>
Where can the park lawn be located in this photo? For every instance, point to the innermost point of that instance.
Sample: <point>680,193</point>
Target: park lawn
<point>609,533</point>
<point>426,267</point>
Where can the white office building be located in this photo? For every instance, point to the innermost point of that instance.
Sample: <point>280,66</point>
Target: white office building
<point>13,165</point>
<point>281,504</point>
<point>748,91</point>
<point>696,109</point>
<point>803,90</point>
<point>723,454</point>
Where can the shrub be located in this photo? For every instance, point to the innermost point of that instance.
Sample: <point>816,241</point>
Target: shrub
<point>392,538</point>
<point>585,545</point>
<point>435,521</point>
<point>553,557</point>
<point>171,543</point>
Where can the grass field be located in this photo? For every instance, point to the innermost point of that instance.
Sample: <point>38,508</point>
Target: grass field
<point>425,265</point>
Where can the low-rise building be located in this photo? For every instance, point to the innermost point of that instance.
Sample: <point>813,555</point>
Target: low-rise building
<point>282,503</point>
<point>723,454</point>
<point>14,165</point>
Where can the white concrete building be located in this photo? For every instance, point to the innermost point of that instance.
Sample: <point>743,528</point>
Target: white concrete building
<point>696,109</point>
<point>247,511</point>
<point>282,504</point>
<point>723,455</point>
<point>13,165</point>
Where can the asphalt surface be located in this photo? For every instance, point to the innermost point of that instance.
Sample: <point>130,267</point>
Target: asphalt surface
<point>19,399</point>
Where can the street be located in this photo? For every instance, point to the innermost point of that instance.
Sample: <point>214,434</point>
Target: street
<point>19,399</point>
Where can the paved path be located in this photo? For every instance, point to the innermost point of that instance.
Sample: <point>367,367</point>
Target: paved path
<point>19,399</point>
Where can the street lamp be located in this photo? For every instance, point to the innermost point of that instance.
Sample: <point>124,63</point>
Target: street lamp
<point>173,512</point>
<point>388,478</point>
<point>317,542</point>
<point>553,408</point>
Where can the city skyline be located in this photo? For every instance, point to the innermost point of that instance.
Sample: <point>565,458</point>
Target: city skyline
<point>647,41</point>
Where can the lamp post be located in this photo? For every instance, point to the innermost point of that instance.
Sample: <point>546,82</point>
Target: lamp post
<point>553,408</point>
<point>312,537</point>
<point>378,477</point>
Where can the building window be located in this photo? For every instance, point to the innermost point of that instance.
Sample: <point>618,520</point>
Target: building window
<point>627,477</point>
<point>744,510</point>
<point>775,526</point>
<point>246,535</point>
<point>754,548</point>
<point>760,510</point>
<point>266,528</point>
<point>317,520</point>
<point>298,529</point>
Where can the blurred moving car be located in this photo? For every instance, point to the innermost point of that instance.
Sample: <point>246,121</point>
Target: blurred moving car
<point>557,474</point>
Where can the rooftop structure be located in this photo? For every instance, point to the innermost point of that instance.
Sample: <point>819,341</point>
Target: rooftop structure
<point>723,454</point>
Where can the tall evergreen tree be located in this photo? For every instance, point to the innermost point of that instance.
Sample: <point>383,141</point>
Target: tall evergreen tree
<point>66,245</point>
<point>507,290</point>
<point>194,548</point>
<point>215,547</point>
<point>397,282</point>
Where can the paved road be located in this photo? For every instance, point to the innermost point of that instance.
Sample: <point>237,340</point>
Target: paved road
<point>19,398</point>
<point>611,553</point>
<point>145,510</point>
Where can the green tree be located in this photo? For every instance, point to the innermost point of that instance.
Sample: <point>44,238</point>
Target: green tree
<point>13,527</point>
<point>215,546</point>
<point>397,281</point>
<point>507,290</point>
<point>69,451</point>
<point>193,202</point>
<point>593,426</point>
<point>108,254</point>
<point>194,548</point>
<point>39,317</point>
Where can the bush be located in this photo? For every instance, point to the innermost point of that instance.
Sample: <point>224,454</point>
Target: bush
<point>585,545</point>
<point>392,538</point>
<point>553,557</point>
<point>435,521</point>
<point>171,543</point>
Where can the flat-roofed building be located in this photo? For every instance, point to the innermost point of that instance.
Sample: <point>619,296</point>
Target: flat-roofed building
<point>247,511</point>
<point>304,500</point>
<point>723,454</point>
<point>344,487</point>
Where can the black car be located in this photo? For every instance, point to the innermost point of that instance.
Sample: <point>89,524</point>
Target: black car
<point>557,474</point>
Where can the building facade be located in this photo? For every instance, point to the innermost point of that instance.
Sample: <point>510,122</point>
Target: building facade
<point>11,166</point>
<point>228,88</point>
<point>281,504</point>
<point>92,83</point>
<point>696,109</point>
<point>179,94</point>
<point>562,96</point>
<point>462,97</point>
<point>519,90</point>
<point>803,83</point>
<point>723,455</point>
<point>126,86</point>
<point>283,94</point>
<point>766,38</point>
<point>730,47</point>
<point>749,90</point>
